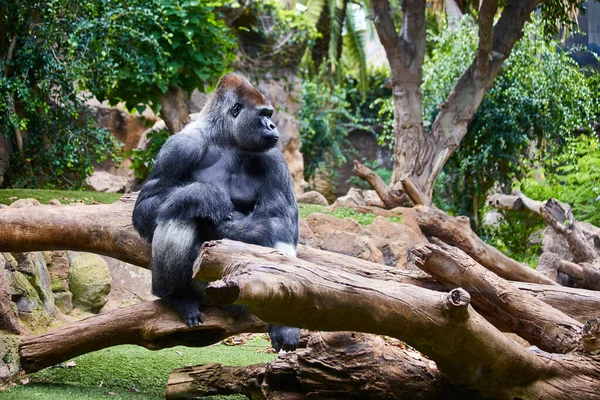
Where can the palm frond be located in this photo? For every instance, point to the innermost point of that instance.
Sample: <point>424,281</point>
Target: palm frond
<point>355,56</point>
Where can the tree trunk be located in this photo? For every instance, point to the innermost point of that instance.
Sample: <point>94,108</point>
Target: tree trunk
<point>421,155</point>
<point>174,109</point>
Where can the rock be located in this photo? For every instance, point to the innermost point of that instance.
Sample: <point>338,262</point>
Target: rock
<point>30,306</point>
<point>555,243</point>
<point>58,269</point>
<point>352,244</point>
<point>395,240</point>
<point>33,266</point>
<point>64,302</point>
<point>25,203</point>
<point>9,359</point>
<point>9,321</point>
<point>322,224</point>
<point>89,281</point>
<point>104,181</point>
<point>352,199</point>
<point>306,235</point>
<point>55,202</point>
<point>312,197</point>
<point>130,284</point>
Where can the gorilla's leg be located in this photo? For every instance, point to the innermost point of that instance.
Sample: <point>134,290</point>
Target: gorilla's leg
<point>284,337</point>
<point>175,247</point>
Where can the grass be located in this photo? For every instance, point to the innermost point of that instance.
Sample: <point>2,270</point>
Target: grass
<point>132,372</point>
<point>364,219</point>
<point>7,196</point>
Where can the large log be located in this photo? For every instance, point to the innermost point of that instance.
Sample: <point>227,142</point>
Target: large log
<point>329,365</point>
<point>102,229</point>
<point>107,229</point>
<point>525,315</point>
<point>151,324</point>
<point>443,326</point>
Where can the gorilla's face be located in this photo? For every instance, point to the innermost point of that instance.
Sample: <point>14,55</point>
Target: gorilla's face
<point>253,129</point>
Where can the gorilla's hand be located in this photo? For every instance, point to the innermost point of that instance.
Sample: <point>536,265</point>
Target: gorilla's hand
<point>284,337</point>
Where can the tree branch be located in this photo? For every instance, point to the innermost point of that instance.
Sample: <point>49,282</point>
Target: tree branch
<point>385,193</point>
<point>465,347</point>
<point>152,325</point>
<point>528,317</point>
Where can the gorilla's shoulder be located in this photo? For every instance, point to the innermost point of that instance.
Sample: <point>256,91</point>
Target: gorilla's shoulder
<point>180,153</point>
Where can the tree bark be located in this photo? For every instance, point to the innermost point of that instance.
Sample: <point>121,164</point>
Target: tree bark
<point>152,325</point>
<point>174,110</point>
<point>465,347</point>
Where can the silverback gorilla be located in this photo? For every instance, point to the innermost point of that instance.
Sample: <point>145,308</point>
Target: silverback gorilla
<point>220,177</point>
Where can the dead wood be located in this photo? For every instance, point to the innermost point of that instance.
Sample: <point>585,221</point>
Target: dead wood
<point>103,229</point>
<point>516,201</point>
<point>390,198</point>
<point>525,315</point>
<point>152,325</point>
<point>584,275</point>
<point>340,365</point>
<point>456,231</point>
<point>465,347</point>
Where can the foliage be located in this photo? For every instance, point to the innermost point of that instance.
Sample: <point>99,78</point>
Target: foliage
<point>572,177</point>
<point>142,161</point>
<point>271,35</point>
<point>38,98</point>
<point>516,234</point>
<point>325,120</point>
<point>141,48</point>
<point>8,196</point>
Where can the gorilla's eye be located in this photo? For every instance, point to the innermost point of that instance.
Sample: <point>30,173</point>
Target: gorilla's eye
<point>235,110</point>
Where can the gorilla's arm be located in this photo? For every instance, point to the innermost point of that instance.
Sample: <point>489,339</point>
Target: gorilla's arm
<point>171,192</point>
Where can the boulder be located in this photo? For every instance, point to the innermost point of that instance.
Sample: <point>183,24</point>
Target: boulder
<point>353,198</point>
<point>9,321</point>
<point>58,269</point>
<point>29,305</point>
<point>395,240</point>
<point>130,284</point>
<point>64,302</point>
<point>33,267</point>
<point>104,181</point>
<point>89,281</point>
<point>352,244</point>
<point>306,235</point>
<point>9,359</point>
<point>555,243</point>
<point>25,203</point>
<point>312,197</point>
<point>322,224</point>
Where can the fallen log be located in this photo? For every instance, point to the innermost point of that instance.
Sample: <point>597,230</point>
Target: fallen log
<point>107,229</point>
<point>342,365</point>
<point>151,324</point>
<point>538,323</point>
<point>443,326</point>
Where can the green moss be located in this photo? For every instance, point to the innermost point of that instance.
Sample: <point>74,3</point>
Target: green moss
<point>306,209</point>
<point>345,212</point>
<point>397,218</point>
<point>7,196</point>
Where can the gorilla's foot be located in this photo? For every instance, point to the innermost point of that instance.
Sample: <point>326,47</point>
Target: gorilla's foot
<point>188,308</point>
<point>284,337</point>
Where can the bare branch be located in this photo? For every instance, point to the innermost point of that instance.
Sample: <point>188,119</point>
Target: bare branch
<point>387,195</point>
<point>528,317</point>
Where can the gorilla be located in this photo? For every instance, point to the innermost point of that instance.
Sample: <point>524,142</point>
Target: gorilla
<point>220,177</point>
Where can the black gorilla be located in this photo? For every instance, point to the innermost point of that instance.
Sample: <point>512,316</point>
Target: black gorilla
<point>220,177</point>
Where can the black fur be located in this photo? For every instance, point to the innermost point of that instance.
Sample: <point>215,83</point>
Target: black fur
<point>221,177</point>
